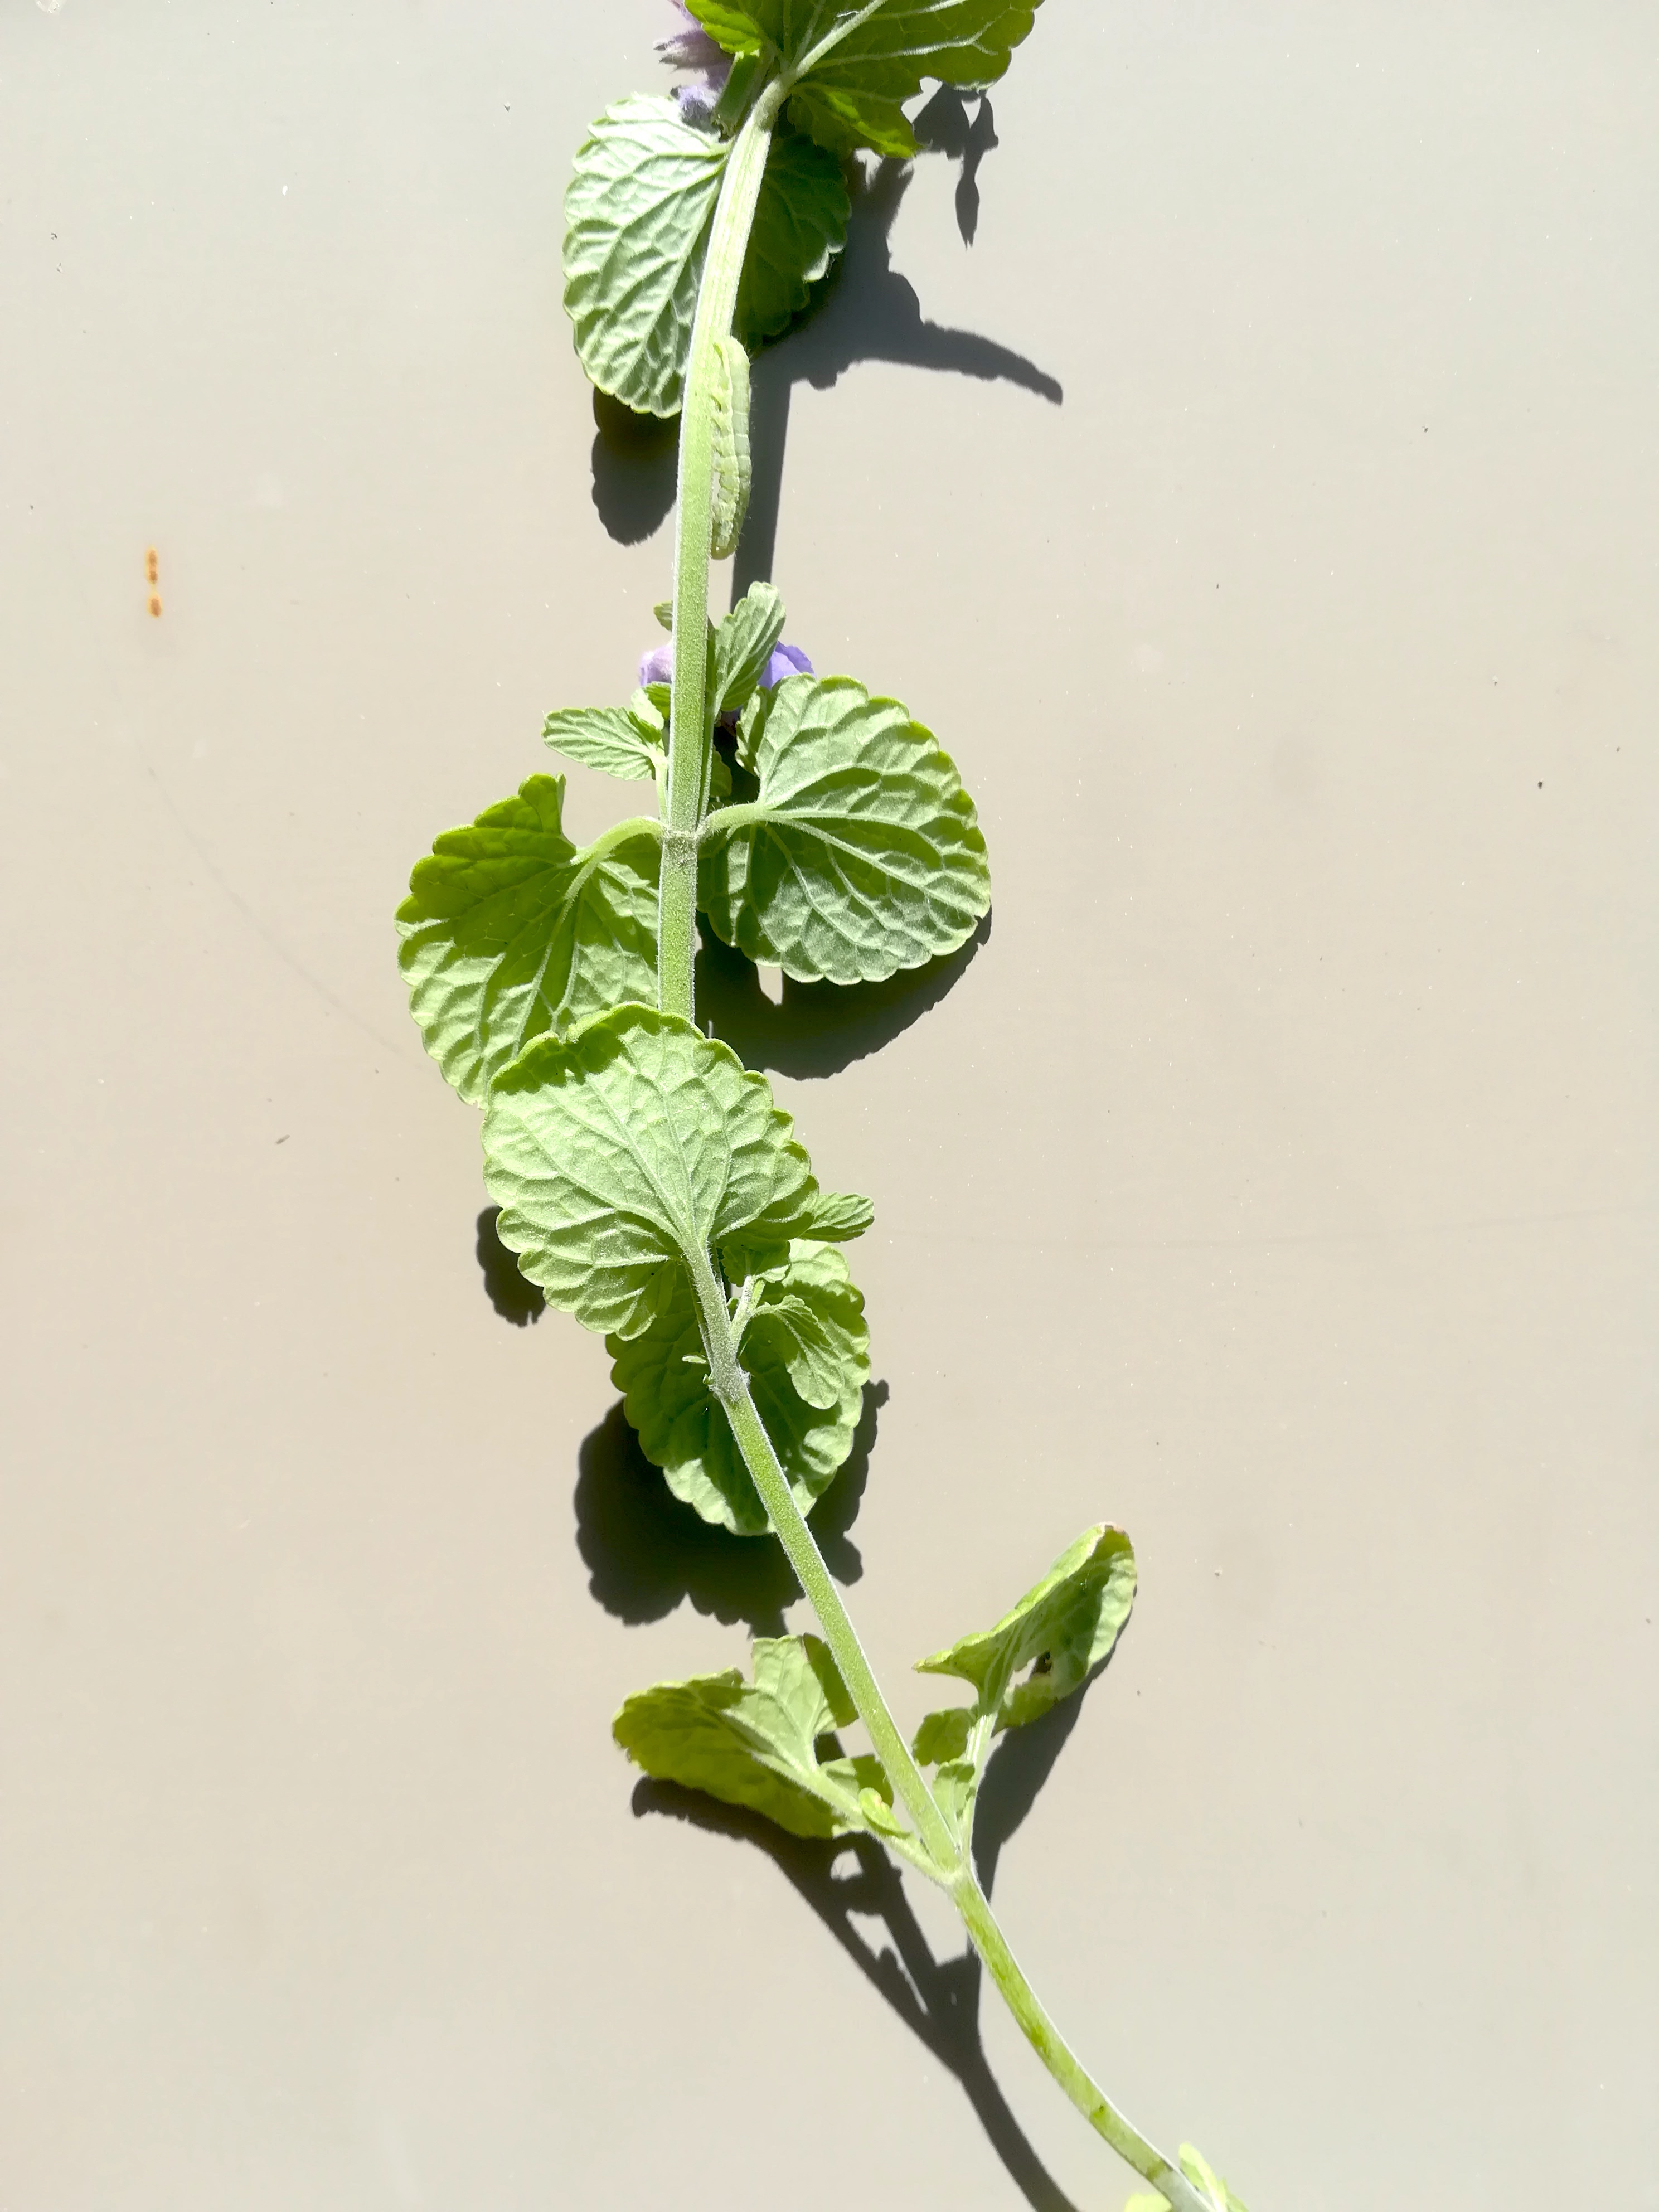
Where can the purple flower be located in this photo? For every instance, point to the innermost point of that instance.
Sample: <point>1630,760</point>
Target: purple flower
<point>786,661</point>
<point>657,667</point>
<point>691,48</point>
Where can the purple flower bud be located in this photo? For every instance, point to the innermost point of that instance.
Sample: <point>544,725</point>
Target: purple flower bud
<point>786,661</point>
<point>657,667</point>
<point>691,48</point>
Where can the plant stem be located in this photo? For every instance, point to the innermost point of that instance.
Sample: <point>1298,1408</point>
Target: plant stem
<point>1051,2047</point>
<point>951,1862</point>
<point>690,725</point>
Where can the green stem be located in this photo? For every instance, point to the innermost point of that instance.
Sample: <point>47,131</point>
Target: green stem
<point>1051,2047</point>
<point>690,726</point>
<point>731,1386</point>
<point>952,1865</point>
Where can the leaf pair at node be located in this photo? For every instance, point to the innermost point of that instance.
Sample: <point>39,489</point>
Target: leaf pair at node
<point>768,1745</point>
<point>1203,2177</point>
<point>869,60</point>
<point>627,1160</point>
<point>638,211</point>
<point>718,1735</point>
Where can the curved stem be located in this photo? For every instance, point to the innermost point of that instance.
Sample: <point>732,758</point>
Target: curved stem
<point>1051,2047</point>
<point>952,1865</point>
<point>690,726</point>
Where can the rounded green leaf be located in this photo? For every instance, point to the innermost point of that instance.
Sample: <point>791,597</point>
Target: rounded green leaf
<point>809,1398</point>
<point>509,932</point>
<point>800,226</point>
<point>621,1153</point>
<point>637,211</point>
<point>862,854</point>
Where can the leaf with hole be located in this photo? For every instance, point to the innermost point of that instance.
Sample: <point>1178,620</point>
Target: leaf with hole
<point>508,932</point>
<point>758,1744</point>
<point>861,853</point>
<point>620,1154</point>
<point>809,1400</point>
<point>1060,1630</point>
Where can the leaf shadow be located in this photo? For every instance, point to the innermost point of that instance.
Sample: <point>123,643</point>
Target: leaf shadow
<point>817,1029</point>
<point>514,1296</point>
<point>867,312</point>
<point>635,459</point>
<point>938,1999</point>
<point>646,1551</point>
<point>864,310</point>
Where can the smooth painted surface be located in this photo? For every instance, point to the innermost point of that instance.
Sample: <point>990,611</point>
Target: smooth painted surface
<point>1279,1180</point>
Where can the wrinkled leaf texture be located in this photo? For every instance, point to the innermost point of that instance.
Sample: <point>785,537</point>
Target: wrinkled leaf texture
<point>867,855</point>
<point>620,1154</point>
<point>809,1398</point>
<point>637,214</point>
<point>756,1744</point>
<point>853,96</point>
<point>509,932</point>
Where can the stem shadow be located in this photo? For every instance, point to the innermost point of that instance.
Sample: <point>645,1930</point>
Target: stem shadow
<point>646,1551</point>
<point>938,1999</point>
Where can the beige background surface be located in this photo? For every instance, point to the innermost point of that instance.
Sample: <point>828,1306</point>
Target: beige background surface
<point>1278,1179</point>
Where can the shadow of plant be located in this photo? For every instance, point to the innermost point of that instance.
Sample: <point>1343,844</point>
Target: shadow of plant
<point>645,1552</point>
<point>853,1879</point>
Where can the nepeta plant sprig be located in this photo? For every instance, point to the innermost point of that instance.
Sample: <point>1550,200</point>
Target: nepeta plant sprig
<point>647,1181</point>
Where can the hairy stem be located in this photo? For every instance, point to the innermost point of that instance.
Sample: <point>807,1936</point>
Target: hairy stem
<point>951,1864</point>
<point>690,726</point>
<point>1051,2047</point>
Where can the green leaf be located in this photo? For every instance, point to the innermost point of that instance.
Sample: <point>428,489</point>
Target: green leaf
<point>613,740</point>
<point>757,1745</point>
<point>1060,1630</point>
<point>853,96</point>
<point>800,226</point>
<point>682,1429</point>
<point>637,213</point>
<point>509,932</point>
<point>838,1216</point>
<point>742,646</point>
<point>621,1153</point>
<point>638,210</point>
<point>862,854</point>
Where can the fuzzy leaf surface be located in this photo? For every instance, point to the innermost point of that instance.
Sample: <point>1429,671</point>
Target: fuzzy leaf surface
<point>621,1153</point>
<point>612,739</point>
<point>755,1744</point>
<point>509,932</point>
<point>681,1427</point>
<point>862,854</point>
<point>637,212</point>
<point>743,645</point>
<point>800,226</point>
<point>1060,1630</point>
<point>853,96</point>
